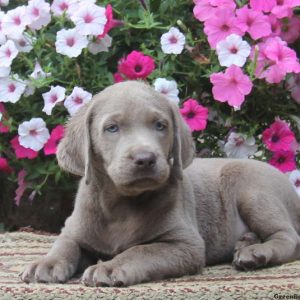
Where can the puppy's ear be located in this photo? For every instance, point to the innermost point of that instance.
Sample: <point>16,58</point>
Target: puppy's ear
<point>183,150</point>
<point>74,151</point>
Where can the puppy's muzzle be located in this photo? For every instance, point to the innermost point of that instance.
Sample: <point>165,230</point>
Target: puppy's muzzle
<point>143,160</point>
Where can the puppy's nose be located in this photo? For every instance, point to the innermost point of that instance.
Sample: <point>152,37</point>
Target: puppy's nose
<point>144,159</point>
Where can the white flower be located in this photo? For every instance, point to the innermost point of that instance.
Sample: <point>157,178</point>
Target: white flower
<point>14,22</point>
<point>38,72</point>
<point>58,7</point>
<point>38,12</point>
<point>172,42</point>
<point>56,94</point>
<point>24,43</point>
<point>4,71</point>
<point>90,19</point>
<point>78,98</point>
<point>2,35</point>
<point>8,52</point>
<point>70,42</point>
<point>100,45</point>
<point>4,2</point>
<point>167,88</point>
<point>295,180</point>
<point>11,90</point>
<point>239,146</point>
<point>33,134</point>
<point>233,51</point>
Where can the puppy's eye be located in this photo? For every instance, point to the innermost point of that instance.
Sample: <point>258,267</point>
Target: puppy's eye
<point>160,126</point>
<point>112,128</point>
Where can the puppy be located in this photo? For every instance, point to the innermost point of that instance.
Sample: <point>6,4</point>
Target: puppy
<point>145,210</point>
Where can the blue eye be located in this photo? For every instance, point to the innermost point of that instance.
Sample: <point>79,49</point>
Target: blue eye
<point>160,126</point>
<point>112,128</point>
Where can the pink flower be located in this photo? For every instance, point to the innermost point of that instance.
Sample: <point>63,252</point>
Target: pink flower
<point>279,137</point>
<point>3,128</point>
<point>22,185</point>
<point>118,77</point>
<point>275,25</point>
<point>4,166</point>
<point>275,60</point>
<point>262,5</point>
<point>194,114</point>
<point>231,86</point>
<point>284,8</point>
<point>111,23</point>
<point>56,135</point>
<point>22,152</point>
<point>253,22</point>
<point>290,31</point>
<point>203,10</point>
<point>284,161</point>
<point>136,65</point>
<point>220,25</point>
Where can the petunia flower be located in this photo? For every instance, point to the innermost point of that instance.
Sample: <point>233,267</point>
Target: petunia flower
<point>275,26</point>
<point>78,98</point>
<point>262,5</point>
<point>290,29</point>
<point>8,52</point>
<point>2,35</point>
<point>4,166</point>
<point>254,22</point>
<point>14,22</point>
<point>168,88</point>
<point>279,136</point>
<point>111,22</point>
<point>24,43</point>
<point>4,2</point>
<point>294,178</point>
<point>11,90</point>
<point>58,7</point>
<point>220,25</point>
<point>90,19</point>
<point>38,72</point>
<point>172,42</point>
<point>284,8</point>
<point>33,134</point>
<point>136,65</point>
<point>3,128</point>
<point>275,60</point>
<point>70,42</point>
<point>38,12</point>
<point>283,161</point>
<point>4,72</point>
<point>239,146</point>
<point>100,44</point>
<point>22,152</point>
<point>55,95</point>
<point>194,114</point>
<point>231,86</point>
<point>233,51</point>
<point>118,77</point>
<point>56,135</point>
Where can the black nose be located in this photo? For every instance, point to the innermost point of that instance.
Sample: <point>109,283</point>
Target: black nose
<point>144,159</point>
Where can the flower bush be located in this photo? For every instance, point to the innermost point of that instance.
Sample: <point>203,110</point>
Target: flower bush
<point>230,66</point>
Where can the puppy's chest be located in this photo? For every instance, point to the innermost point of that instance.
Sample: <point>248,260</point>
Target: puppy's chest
<point>114,236</point>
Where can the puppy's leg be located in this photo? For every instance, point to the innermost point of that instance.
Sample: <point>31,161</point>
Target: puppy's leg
<point>148,262</point>
<point>269,219</point>
<point>57,266</point>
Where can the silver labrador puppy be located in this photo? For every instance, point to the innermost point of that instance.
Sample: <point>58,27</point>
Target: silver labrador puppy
<point>145,210</point>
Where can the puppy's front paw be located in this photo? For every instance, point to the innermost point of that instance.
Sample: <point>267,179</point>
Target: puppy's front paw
<point>252,257</point>
<point>48,270</point>
<point>104,274</point>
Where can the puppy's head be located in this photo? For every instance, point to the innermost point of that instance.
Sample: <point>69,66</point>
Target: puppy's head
<point>131,133</point>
